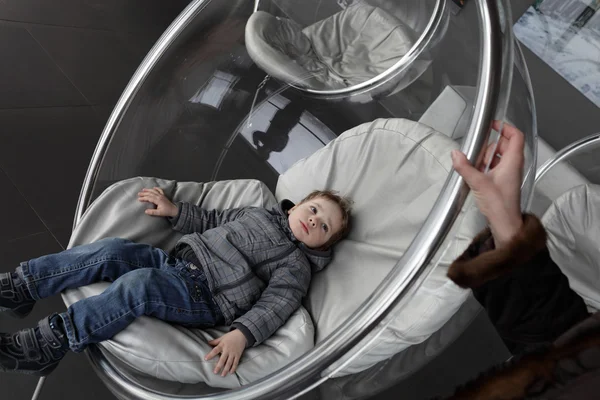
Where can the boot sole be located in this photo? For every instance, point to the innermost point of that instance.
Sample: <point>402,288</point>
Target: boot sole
<point>15,313</point>
<point>43,372</point>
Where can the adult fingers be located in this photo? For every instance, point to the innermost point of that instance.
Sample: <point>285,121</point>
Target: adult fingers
<point>508,131</point>
<point>153,211</point>
<point>159,190</point>
<point>470,174</point>
<point>515,139</point>
<point>494,153</point>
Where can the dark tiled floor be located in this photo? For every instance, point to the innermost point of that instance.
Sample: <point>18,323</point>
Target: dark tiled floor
<point>99,63</point>
<point>45,154</point>
<point>64,64</point>
<point>29,78</point>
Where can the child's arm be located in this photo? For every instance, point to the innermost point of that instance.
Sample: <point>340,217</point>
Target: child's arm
<point>281,298</point>
<point>186,217</point>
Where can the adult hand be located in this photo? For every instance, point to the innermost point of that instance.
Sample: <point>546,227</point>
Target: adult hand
<point>156,196</point>
<point>498,192</point>
<point>230,346</point>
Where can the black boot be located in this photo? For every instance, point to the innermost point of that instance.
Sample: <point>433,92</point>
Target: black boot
<point>34,351</point>
<point>15,299</point>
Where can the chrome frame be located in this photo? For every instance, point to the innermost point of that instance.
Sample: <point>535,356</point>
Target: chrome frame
<point>408,273</point>
<point>529,178</point>
<point>439,15</point>
<point>567,152</point>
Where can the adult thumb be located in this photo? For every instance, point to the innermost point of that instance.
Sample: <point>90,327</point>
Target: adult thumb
<point>464,168</point>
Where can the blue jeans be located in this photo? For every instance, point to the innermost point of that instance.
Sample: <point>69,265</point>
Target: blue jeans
<point>145,281</point>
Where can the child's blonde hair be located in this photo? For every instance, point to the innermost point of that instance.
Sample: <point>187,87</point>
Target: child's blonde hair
<point>345,206</point>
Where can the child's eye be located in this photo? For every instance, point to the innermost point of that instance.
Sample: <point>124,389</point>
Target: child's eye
<point>313,209</point>
<point>325,228</point>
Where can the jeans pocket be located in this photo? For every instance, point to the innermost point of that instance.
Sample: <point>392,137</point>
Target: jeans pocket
<point>196,283</point>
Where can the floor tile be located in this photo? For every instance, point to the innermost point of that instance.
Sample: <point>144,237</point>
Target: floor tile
<point>103,113</point>
<point>83,383</point>
<point>140,43</point>
<point>18,219</point>
<point>98,63</point>
<point>84,14</point>
<point>146,15</point>
<point>46,152</point>
<point>17,386</point>
<point>62,233</point>
<point>28,77</point>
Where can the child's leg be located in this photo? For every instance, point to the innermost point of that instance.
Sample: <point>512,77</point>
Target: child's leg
<point>172,293</point>
<point>105,260</point>
<point>168,294</point>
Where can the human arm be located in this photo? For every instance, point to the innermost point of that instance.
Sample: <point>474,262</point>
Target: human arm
<point>230,346</point>
<point>507,242</point>
<point>526,296</point>
<point>498,192</point>
<point>186,217</point>
<point>192,218</point>
<point>283,295</point>
<point>277,303</point>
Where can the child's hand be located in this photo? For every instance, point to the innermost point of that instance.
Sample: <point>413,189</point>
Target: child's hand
<point>156,196</point>
<point>230,346</point>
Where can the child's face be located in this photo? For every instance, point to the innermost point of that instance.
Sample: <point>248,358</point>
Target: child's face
<point>315,221</point>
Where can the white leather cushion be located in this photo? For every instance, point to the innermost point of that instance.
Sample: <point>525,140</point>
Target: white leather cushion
<point>558,180</point>
<point>345,49</point>
<point>157,348</point>
<point>393,170</point>
<point>360,42</point>
<point>573,226</point>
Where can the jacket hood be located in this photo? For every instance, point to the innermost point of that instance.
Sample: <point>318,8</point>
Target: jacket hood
<point>318,258</point>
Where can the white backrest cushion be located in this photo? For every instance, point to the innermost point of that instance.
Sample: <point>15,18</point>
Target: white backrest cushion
<point>558,180</point>
<point>360,42</point>
<point>162,350</point>
<point>573,226</point>
<point>394,170</point>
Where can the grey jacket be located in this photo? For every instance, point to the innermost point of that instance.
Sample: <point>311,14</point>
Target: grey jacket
<point>257,271</point>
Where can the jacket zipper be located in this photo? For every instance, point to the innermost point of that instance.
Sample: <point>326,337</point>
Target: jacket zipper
<point>249,276</point>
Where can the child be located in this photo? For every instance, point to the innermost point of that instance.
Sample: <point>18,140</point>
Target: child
<point>247,268</point>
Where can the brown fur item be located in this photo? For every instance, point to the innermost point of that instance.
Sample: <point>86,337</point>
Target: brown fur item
<point>513,381</point>
<point>476,266</point>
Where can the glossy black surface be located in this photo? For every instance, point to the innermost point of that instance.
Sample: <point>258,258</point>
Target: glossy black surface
<point>48,131</point>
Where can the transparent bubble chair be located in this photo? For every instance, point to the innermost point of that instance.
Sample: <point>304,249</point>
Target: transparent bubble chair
<point>244,103</point>
<point>567,199</point>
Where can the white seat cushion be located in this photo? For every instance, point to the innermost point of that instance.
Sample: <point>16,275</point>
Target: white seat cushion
<point>346,49</point>
<point>166,351</point>
<point>573,226</point>
<point>393,170</point>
